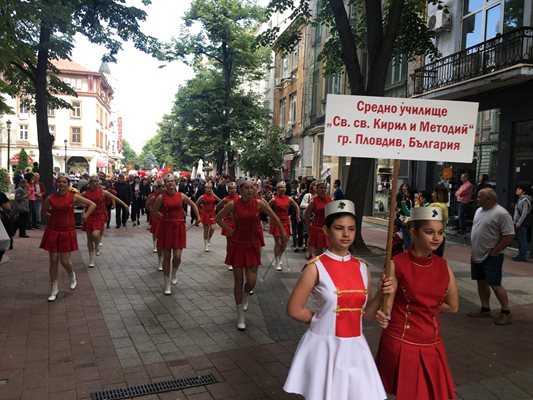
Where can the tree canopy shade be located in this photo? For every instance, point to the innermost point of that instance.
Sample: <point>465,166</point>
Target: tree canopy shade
<point>383,29</point>
<point>32,33</point>
<point>224,44</point>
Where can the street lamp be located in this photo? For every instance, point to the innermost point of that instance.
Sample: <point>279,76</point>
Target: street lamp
<point>65,141</point>
<point>8,126</point>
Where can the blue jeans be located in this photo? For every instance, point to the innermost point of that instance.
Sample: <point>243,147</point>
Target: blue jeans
<point>38,207</point>
<point>521,235</point>
<point>461,212</point>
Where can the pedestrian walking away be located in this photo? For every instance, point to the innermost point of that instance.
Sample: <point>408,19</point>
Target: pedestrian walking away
<point>280,204</point>
<point>333,360</point>
<point>492,231</point>
<point>411,357</point>
<point>171,237</point>
<point>59,238</point>
<point>244,251</point>
<point>206,204</point>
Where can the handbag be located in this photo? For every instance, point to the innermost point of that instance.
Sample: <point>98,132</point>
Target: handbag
<point>5,240</point>
<point>19,207</point>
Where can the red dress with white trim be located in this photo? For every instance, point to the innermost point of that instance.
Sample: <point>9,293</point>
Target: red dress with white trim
<point>244,248</point>
<point>229,220</point>
<point>98,217</point>
<point>171,234</point>
<point>60,234</point>
<point>207,212</point>
<point>333,360</point>
<point>317,237</point>
<point>281,209</point>
<point>411,358</point>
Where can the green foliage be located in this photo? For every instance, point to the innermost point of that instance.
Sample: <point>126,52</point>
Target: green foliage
<point>264,155</point>
<point>128,153</point>
<point>148,160</point>
<point>4,180</point>
<point>23,160</point>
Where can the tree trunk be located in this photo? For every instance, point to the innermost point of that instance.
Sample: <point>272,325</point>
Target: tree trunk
<point>46,141</point>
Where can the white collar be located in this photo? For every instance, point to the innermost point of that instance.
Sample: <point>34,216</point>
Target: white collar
<point>338,258</point>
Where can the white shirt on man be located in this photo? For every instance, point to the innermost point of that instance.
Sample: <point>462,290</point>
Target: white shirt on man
<point>488,228</point>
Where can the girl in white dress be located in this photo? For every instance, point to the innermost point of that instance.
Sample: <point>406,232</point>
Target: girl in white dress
<point>333,360</point>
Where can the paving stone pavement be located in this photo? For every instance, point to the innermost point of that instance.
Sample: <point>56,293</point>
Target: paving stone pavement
<point>118,329</point>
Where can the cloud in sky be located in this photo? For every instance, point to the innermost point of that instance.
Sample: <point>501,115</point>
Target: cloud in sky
<point>145,92</point>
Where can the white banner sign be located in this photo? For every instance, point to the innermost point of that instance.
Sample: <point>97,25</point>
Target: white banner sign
<point>398,128</point>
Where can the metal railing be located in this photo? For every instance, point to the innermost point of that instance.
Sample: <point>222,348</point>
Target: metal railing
<point>512,48</point>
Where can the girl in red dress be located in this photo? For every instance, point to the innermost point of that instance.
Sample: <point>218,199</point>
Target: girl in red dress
<point>154,221</point>
<point>94,225</point>
<point>280,203</point>
<point>317,238</point>
<point>411,357</point>
<point>206,205</point>
<point>60,239</point>
<point>232,195</point>
<point>168,206</point>
<point>244,250</point>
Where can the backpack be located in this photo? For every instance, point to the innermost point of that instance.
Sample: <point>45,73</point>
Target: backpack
<point>529,218</point>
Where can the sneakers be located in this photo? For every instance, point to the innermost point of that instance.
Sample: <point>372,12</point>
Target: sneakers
<point>480,314</point>
<point>504,319</point>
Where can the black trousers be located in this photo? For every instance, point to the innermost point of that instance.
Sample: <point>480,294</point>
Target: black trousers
<point>23,221</point>
<point>121,215</point>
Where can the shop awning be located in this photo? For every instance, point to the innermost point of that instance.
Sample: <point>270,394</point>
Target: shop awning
<point>101,163</point>
<point>15,159</point>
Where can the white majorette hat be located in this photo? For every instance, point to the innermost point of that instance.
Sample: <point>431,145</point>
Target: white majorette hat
<point>426,214</point>
<point>240,181</point>
<point>232,184</point>
<point>281,183</point>
<point>168,177</point>
<point>340,206</point>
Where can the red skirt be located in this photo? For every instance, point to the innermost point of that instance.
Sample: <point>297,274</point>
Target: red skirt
<point>59,241</point>
<point>261,235</point>
<point>412,371</point>
<point>317,238</point>
<point>229,222</point>
<point>274,230</point>
<point>243,255</point>
<point>171,235</point>
<point>93,224</point>
<point>207,218</point>
<point>154,224</point>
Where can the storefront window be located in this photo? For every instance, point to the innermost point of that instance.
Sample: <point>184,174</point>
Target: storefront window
<point>486,143</point>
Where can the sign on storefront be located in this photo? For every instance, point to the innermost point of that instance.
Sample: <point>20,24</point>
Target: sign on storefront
<point>399,128</point>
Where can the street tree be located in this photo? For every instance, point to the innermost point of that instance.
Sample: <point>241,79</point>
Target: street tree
<point>129,154</point>
<point>22,163</point>
<point>36,33</point>
<point>219,35</point>
<point>148,160</point>
<point>385,30</point>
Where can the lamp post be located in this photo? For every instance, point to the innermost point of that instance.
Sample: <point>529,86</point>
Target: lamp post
<point>8,127</point>
<point>65,141</point>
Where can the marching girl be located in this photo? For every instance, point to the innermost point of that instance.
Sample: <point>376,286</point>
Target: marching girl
<point>411,357</point>
<point>206,204</point>
<point>333,360</point>
<point>317,238</point>
<point>94,225</point>
<point>155,221</point>
<point>171,239</point>
<point>231,196</point>
<point>244,250</point>
<point>280,204</point>
<point>59,238</point>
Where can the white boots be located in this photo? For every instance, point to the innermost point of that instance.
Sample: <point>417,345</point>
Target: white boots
<point>241,322</point>
<point>206,245</point>
<point>174,276</point>
<point>160,261</point>
<point>167,292</point>
<point>54,288</point>
<point>245,295</point>
<point>155,247</point>
<point>91,260</point>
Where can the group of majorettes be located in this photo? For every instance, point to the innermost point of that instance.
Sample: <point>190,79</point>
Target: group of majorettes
<point>333,360</point>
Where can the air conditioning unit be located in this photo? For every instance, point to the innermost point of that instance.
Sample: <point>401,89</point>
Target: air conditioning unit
<point>439,21</point>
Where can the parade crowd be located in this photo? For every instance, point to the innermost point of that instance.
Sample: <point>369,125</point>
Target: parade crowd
<point>333,360</point>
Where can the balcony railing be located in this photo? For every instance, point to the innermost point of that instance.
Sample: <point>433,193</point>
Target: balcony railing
<point>512,48</point>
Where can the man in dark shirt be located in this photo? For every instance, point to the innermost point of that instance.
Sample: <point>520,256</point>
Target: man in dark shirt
<point>123,193</point>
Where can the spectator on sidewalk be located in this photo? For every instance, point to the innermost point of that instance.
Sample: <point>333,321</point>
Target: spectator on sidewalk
<point>337,194</point>
<point>404,203</point>
<point>492,232</point>
<point>483,183</point>
<point>521,221</point>
<point>439,198</point>
<point>21,207</point>
<point>463,195</point>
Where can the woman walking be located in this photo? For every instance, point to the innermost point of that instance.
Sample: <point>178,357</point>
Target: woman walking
<point>244,253</point>
<point>171,237</point>
<point>60,239</point>
<point>21,207</point>
<point>411,357</point>
<point>206,204</point>
<point>94,224</point>
<point>231,196</point>
<point>333,360</point>
<point>155,221</point>
<point>280,205</point>
<point>317,238</point>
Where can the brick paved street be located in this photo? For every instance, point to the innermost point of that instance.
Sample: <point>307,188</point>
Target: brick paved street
<point>118,329</point>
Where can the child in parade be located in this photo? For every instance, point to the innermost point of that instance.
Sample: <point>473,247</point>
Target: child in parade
<point>317,238</point>
<point>280,204</point>
<point>206,204</point>
<point>154,221</point>
<point>59,238</point>
<point>411,357</point>
<point>244,251</point>
<point>333,360</point>
<point>171,237</point>
<point>231,196</point>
